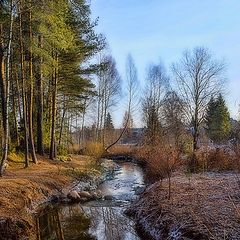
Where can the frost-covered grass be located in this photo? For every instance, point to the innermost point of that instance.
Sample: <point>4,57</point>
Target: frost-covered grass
<point>202,206</point>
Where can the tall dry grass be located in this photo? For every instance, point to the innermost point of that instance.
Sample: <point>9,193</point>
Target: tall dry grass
<point>214,159</point>
<point>94,149</point>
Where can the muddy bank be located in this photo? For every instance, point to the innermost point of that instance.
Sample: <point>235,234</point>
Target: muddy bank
<point>203,206</point>
<point>23,190</point>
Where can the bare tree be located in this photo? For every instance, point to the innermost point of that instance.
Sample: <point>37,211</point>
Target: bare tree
<point>108,92</point>
<point>132,84</point>
<point>199,76</point>
<point>133,94</point>
<point>156,88</point>
<point>128,124</point>
<point>173,115</point>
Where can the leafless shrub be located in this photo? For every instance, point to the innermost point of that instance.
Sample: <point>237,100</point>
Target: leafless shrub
<point>161,161</point>
<point>212,159</point>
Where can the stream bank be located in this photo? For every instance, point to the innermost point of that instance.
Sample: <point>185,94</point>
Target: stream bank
<point>203,206</point>
<point>23,190</point>
<point>101,219</point>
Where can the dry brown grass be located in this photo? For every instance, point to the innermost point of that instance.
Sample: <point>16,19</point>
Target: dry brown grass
<point>213,159</point>
<point>21,190</point>
<point>206,208</point>
<point>75,148</point>
<point>94,149</point>
<point>121,149</point>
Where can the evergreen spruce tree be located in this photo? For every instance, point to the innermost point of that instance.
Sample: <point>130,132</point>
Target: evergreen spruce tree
<point>211,117</point>
<point>218,119</point>
<point>109,122</point>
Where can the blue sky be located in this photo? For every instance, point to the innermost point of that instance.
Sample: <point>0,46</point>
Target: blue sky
<point>157,30</point>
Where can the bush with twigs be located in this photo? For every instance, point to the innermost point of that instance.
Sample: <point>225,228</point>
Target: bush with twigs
<point>212,159</point>
<point>161,161</point>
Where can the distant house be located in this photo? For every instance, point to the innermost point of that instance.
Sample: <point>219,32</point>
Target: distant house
<point>132,136</point>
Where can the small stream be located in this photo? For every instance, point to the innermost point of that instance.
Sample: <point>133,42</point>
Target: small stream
<point>102,219</point>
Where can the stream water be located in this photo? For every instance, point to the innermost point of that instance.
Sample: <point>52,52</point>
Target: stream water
<point>103,219</point>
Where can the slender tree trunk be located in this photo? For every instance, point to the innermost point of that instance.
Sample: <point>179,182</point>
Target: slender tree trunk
<point>18,95</point>
<point>39,86</point>
<point>98,115</point>
<point>5,89</point>
<point>70,130</point>
<point>68,127</point>
<point>101,123</point>
<point>2,79</point>
<point>54,95</point>
<point>83,122</point>
<point>49,101</point>
<point>30,94</point>
<point>15,114</point>
<point>62,122</point>
<point>195,140</point>
<point>24,89</point>
<point>104,115</point>
<point>195,130</point>
<point>25,124</point>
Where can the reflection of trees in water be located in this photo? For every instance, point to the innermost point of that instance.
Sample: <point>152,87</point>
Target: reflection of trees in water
<point>76,223</point>
<point>49,225</point>
<point>81,223</point>
<point>66,223</point>
<point>108,223</point>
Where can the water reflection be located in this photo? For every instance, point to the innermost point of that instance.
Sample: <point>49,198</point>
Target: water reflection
<point>85,223</point>
<point>122,185</point>
<point>64,223</point>
<point>102,220</point>
<point>109,223</point>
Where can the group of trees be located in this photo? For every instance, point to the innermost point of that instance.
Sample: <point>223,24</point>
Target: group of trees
<point>108,86</point>
<point>194,105</point>
<point>163,109</point>
<point>46,83</point>
<point>173,113</point>
<point>156,89</point>
<point>45,74</point>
